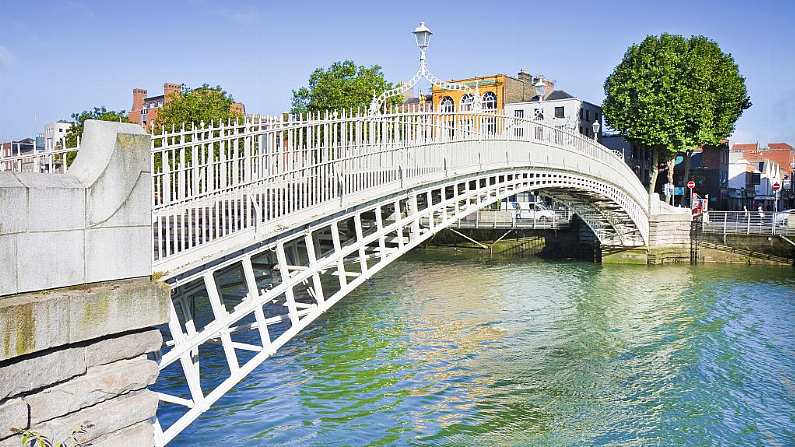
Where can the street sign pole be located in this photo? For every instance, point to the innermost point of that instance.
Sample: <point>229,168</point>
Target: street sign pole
<point>776,188</point>
<point>691,184</point>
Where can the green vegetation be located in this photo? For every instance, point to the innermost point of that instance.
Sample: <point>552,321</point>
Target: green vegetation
<point>344,85</point>
<point>674,94</point>
<point>30,438</point>
<point>98,113</point>
<point>205,103</point>
<point>76,131</point>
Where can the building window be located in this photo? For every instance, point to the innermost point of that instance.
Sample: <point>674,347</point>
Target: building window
<point>538,114</point>
<point>446,105</point>
<point>518,131</point>
<point>587,115</point>
<point>466,102</point>
<point>559,112</point>
<point>581,118</point>
<point>597,116</point>
<point>489,101</point>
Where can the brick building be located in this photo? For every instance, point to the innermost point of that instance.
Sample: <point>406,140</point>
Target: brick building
<point>778,157</point>
<point>781,153</point>
<point>145,109</point>
<point>496,91</point>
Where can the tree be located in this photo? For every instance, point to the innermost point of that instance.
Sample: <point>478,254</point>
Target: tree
<point>672,94</point>
<point>76,131</point>
<point>205,103</point>
<point>98,113</point>
<point>344,85</point>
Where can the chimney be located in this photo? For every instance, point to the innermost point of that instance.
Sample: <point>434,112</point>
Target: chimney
<point>549,87</point>
<point>139,95</point>
<point>238,108</point>
<point>524,75</point>
<point>171,88</point>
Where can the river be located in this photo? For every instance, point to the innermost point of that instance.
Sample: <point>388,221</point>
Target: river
<point>444,348</point>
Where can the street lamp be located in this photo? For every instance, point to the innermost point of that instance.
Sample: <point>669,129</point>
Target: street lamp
<point>595,129</point>
<point>423,36</point>
<point>539,89</point>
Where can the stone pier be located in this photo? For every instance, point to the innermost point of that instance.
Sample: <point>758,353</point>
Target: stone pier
<point>669,238</point>
<point>78,308</point>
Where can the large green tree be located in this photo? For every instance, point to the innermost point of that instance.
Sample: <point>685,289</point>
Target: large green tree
<point>205,103</point>
<point>76,131</point>
<point>344,85</point>
<point>97,113</point>
<point>673,94</point>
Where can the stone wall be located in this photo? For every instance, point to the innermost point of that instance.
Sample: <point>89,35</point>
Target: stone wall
<point>76,358</point>
<point>58,230</point>
<point>78,310</point>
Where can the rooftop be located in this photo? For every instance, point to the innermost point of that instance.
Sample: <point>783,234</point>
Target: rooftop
<point>558,94</point>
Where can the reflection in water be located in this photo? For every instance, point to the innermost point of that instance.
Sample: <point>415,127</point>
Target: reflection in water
<point>448,350</point>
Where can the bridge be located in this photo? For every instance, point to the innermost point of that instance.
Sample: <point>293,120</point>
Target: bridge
<point>262,225</point>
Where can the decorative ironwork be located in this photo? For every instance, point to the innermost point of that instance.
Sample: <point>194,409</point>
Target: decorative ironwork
<point>424,73</point>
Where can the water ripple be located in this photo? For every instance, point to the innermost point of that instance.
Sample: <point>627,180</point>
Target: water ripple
<point>459,351</point>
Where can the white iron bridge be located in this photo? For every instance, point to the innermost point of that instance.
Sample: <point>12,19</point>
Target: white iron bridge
<point>263,225</point>
<point>302,211</point>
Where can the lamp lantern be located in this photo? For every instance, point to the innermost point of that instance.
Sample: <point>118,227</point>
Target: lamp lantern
<point>539,89</point>
<point>595,126</point>
<point>422,34</point>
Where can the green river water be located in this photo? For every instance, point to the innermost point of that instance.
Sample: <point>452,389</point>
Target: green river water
<point>443,348</point>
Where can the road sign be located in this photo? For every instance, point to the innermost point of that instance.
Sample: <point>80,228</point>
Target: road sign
<point>776,186</point>
<point>691,184</point>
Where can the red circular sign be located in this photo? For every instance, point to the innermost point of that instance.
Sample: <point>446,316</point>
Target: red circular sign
<point>776,186</point>
<point>691,184</point>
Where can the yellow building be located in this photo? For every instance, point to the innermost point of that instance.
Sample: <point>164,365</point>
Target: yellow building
<point>496,91</point>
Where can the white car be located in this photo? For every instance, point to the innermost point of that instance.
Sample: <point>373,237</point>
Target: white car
<point>783,218</point>
<point>531,210</point>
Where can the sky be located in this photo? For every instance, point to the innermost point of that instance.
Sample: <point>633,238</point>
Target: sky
<point>60,57</point>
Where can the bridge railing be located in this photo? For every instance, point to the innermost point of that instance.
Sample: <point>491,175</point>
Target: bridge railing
<point>50,161</point>
<point>213,180</point>
<point>509,219</point>
<point>749,223</point>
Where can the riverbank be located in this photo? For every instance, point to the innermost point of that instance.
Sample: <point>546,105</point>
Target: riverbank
<point>550,244</point>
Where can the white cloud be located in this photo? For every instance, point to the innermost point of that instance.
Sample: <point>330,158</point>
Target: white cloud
<point>7,58</point>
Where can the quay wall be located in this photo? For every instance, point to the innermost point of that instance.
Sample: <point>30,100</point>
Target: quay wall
<point>79,310</point>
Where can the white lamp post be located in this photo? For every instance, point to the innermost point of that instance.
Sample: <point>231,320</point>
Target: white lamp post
<point>423,36</point>
<point>595,126</point>
<point>539,89</point>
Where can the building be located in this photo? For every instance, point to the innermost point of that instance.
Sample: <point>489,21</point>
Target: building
<point>145,109</point>
<point>559,109</point>
<point>422,102</point>
<point>25,146</point>
<point>637,158</point>
<point>495,90</point>
<point>781,153</point>
<point>55,134</point>
<point>751,180</point>
<point>764,166</point>
<point>709,169</point>
<point>19,147</point>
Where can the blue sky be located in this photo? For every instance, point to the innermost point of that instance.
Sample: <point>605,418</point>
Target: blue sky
<point>60,57</point>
